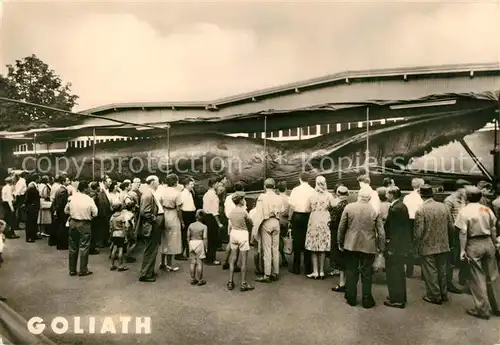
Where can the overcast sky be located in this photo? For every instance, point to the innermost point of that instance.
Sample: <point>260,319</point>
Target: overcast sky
<point>127,51</point>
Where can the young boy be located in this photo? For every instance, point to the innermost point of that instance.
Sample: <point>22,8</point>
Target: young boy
<point>239,239</point>
<point>118,228</point>
<point>3,226</point>
<point>198,244</point>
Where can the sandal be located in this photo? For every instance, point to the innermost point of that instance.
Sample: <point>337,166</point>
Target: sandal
<point>202,282</point>
<point>246,287</point>
<point>230,285</point>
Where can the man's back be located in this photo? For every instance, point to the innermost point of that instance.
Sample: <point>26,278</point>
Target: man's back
<point>398,230</point>
<point>433,226</point>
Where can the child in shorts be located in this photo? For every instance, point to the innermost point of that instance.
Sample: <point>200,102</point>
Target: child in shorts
<point>239,239</point>
<point>3,226</point>
<point>198,244</point>
<point>118,228</point>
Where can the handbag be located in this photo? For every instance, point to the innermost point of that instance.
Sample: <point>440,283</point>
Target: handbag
<point>288,243</point>
<point>379,262</point>
<point>45,205</point>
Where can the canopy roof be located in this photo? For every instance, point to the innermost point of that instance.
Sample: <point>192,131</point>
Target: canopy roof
<point>432,105</point>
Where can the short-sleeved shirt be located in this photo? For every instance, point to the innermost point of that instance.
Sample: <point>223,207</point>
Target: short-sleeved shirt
<point>170,198</point>
<point>211,202</point>
<point>196,231</point>
<point>239,219</point>
<point>118,224</point>
<point>475,220</point>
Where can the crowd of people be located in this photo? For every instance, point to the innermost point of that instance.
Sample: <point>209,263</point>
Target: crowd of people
<point>356,236</point>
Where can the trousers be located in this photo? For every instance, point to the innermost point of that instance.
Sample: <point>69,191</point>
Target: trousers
<point>396,278</point>
<point>484,281</point>
<point>151,244</point>
<point>358,263</point>
<point>270,237</point>
<point>434,272</point>
<point>79,244</point>
<point>299,223</point>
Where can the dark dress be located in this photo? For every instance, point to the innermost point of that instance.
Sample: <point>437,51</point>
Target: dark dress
<point>61,233</point>
<point>337,255</point>
<point>32,206</point>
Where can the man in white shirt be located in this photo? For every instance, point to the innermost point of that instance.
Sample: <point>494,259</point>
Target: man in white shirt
<point>188,210</point>
<point>81,209</point>
<point>298,216</point>
<point>8,208</point>
<point>19,192</point>
<point>213,223</point>
<point>364,183</point>
<point>413,202</point>
<point>229,206</point>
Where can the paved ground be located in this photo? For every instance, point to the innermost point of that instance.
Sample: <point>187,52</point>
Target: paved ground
<point>293,311</point>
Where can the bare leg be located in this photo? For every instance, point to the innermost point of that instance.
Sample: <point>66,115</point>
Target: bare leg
<point>322,256</point>
<point>112,257</point>
<point>192,269</point>
<point>163,261</point>
<point>232,264</point>
<point>342,279</point>
<point>228,255</point>
<point>244,269</point>
<point>314,258</point>
<point>199,269</point>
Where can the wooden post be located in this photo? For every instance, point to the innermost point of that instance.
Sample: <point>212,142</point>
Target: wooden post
<point>265,148</point>
<point>367,155</point>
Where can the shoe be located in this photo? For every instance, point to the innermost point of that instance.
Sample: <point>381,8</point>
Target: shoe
<point>368,303</point>
<point>263,279</point>
<point>225,266</point>
<point>338,288</point>
<point>322,275</point>
<point>444,298</point>
<point>122,269</point>
<point>163,267</point>
<point>94,252</point>
<point>201,282</point>
<point>246,287</point>
<point>230,285</point>
<point>84,274</point>
<point>474,313</point>
<point>454,289</point>
<point>30,241</point>
<point>130,259</point>
<point>172,268</point>
<point>334,272</point>
<point>73,274</point>
<point>351,303</point>
<point>394,304</point>
<point>193,282</point>
<point>275,277</point>
<point>113,268</point>
<point>147,279</point>
<point>313,276</point>
<point>214,263</point>
<point>428,300</point>
<point>3,299</point>
<point>12,237</point>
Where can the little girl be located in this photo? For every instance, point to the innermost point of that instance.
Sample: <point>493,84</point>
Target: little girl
<point>118,227</point>
<point>198,244</point>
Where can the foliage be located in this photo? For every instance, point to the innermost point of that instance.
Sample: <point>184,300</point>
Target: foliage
<point>32,80</point>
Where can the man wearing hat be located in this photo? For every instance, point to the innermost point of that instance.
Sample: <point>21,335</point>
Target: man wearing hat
<point>267,227</point>
<point>455,202</point>
<point>8,208</point>
<point>478,235</point>
<point>432,231</point>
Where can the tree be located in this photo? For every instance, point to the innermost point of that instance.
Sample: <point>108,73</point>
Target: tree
<point>31,80</point>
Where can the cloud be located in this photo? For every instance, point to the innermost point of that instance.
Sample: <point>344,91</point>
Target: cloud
<point>126,56</point>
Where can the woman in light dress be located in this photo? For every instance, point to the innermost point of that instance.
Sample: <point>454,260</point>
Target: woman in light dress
<point>171,240</point>
<point>114,193</point>
<point>45,214</point>
<point>318,236</point>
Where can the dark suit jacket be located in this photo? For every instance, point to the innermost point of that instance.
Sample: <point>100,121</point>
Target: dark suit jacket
<point>433,228</point>
<point>361,229</point>
<point>103,207</point>
<point>60,201</point>
<point>32,200</point>
<point>148,213</point>
<point>398,230</point>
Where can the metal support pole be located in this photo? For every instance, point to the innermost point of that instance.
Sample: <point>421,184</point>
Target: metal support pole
<point>34,145</point>
<point>265,147</point>
<point>367,154</point>
<point>168,147</point>
<point>93,154</point>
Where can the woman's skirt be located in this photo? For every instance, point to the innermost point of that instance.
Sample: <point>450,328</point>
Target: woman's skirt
<point>171,240</point>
